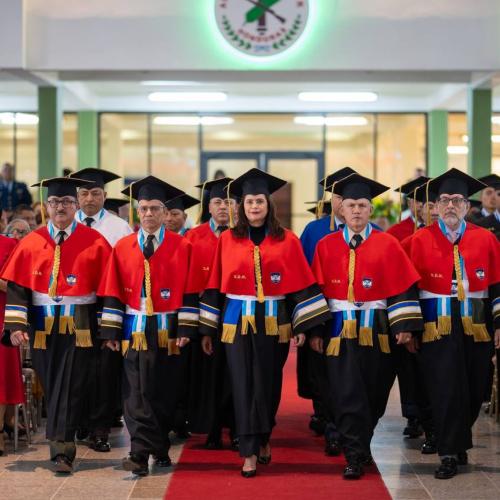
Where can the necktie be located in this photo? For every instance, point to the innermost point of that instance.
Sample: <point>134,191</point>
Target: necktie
<point>149,248</point>
<point>60,237</point>
<point>355,241</point>
<point>89,221</point>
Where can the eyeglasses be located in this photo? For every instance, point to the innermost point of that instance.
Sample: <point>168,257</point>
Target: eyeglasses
<point>22,232</point>
<point>456,202</point>
<point>65,202</point>
<point>154,209</point>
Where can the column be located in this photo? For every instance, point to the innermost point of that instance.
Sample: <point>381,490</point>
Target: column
<point>49,132</point>
<point>437,142</point>
<point>88,139</point>
<point>479,132</point>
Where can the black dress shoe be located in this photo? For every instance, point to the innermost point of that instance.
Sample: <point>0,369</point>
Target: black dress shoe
<point>317,425</point>
<point>429,447</point>
<point>367,460</point>
<point>135,464</point>
<point>235,444</point>
<point>333,449</point>
<point>462,458</point>
<point>163,461</point>
<point>413,429</point>
<point>82,434</point>
<point>101,444</point>
<point>213,444</point>
<point>264,459</point>
<point>248,473</point>
<point>62,464</point>
<point>353,470</point>
<point>447,469</point>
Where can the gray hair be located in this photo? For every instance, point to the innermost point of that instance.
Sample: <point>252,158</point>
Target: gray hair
<point>10,226</point>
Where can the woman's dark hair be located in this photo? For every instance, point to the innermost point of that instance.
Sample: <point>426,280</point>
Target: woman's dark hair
<point>273,225</point>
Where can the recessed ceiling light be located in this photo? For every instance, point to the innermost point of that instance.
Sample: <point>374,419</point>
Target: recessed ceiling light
<point>331,121</point>
<point>192,120</point>
<point>187,96</point>
<point>338,96</point>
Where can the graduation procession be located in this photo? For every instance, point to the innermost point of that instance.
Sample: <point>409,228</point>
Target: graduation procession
<point>249,249</point>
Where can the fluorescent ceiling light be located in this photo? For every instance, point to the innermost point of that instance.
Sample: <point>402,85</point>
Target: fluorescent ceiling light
<point>192,120</point>
<point>166,83</point>
<point>495,138</point>
<point>18,119</point>
<point>457,150</point>
<point>331,121</point>
<point>187,96</point>
<point>338,96</point>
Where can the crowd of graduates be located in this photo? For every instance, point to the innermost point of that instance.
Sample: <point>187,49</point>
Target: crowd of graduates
<point>188,330</point>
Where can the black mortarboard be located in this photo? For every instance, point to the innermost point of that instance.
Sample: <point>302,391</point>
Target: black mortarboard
<point>355,186</point>
<point>327,207</point>
<point>491,180</point>
<point>255,182</point>
<point>216,189</point>
<point>97,175</point>
<point>327,181</point>
<point>410,186</point>
<point>63,186</point>
<point>423,195</point>
<point>475,203</point>
<point>152,188</point>
<point>182,202</point>
<point>455,181</point>
<point>114,204</point>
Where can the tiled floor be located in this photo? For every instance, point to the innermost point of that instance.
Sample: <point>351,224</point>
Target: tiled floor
<point>407,473</point>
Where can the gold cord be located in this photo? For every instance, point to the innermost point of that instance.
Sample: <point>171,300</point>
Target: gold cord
<point>258,274</point>
<point>147,286</point>
<point>458,272</point>
<point>55,272</point>
<point>352,264</point>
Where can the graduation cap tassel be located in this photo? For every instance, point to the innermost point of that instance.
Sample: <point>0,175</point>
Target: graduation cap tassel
<point>130,207</point>
<point>458,272</point>
<point>42,207</point>
<point>415,208</point>
<point>231,216</point>
<point>147,286</point>
<point>321,204</point>
<point>400,204</point>
<point>55,272</point>
<point>200,212</point>
<point>428,211</point>
<point>332,215</point>
<point>352,264</point>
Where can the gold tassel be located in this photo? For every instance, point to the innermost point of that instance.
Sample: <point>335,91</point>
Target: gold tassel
<point>352,264</point>
<point>481,333</point>
<point>173,348</point>
<point>248,321</point>
<point>258,274</point>
<point>147,286</point>
<point>162,339</point>
<point>83,338</point>
<point>467,324</point>
<point>383,340</point>
<point>458,272</point>
<point>333,348</point>
<point>415,209</point>
<point>55,272</point>
<point>271,324</point>
<point>349,329</point>
<point>130,206</point>
<point>40,341</point>
<point>427,200</point>
<point>49,324</point>
<point>125,346</point>
<point>430,332</point>
<point>332,215</point>
<point>231,215</point>
<point>285,333</point>
<point>228,333</point>
<point>42,207</point>
<point>444,325</point>
<point>63,325</point>
<point>365,336</point>
<point>139,342</point>
<point>200,211</point>
<point>400,204</point>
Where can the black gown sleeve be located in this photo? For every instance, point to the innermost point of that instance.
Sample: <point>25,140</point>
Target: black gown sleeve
<point>189,316</point>
<point>210,312</point>
<point>494,295</point>
<point>404,312</point>
<point>16,309</point>
<point>113,311</point>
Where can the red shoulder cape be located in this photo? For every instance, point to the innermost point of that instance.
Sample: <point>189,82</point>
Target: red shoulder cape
<point>169,272</point>
<point>84,256</point>
<point>204,243</point>
<point>382,267</point>
<point>432,255</point>
<point>403,229</point>
<point>284,267</point>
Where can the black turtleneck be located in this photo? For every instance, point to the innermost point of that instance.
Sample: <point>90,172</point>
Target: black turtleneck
<point>257,234</point>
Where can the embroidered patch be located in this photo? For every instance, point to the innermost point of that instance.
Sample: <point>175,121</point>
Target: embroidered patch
<point>454,287</point>
<point>480,273</point>
<point>275,278</point>
<point>57,299</point>
<point>358,304</point>
<point>367,282</point>
<point>165,293</point>
<point>71,279</point>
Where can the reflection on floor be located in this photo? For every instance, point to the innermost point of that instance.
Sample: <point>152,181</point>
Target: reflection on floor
<point>407,474</point>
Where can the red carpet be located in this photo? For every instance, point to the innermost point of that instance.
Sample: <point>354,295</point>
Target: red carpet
<point>299,468</point>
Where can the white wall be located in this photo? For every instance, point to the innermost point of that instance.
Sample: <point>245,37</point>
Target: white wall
<point>11,34</point>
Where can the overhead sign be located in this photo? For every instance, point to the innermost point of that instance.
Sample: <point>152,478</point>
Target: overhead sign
<point>261,27</point>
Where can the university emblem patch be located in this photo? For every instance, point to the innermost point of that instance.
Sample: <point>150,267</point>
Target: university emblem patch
<point>367,282</point>
<point>275,278</point>
<point>165,293</point>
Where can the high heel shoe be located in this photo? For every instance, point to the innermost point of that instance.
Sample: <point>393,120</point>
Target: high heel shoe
<point>248,473</point>
<point>264,460</point>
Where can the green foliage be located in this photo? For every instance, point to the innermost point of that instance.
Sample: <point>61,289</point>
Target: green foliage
<point>385,207</point>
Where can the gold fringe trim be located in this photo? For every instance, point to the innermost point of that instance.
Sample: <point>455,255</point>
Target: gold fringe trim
<point>173,348</point>
<point>467,324</point>
<point>247,321</point>
<point>480,333</point>
<point>258,274</point>
<point>162,339</point>
<point>83,338</point>
<point>430,332</point>
<point>139,342</point>
<point>365,336</point>
<point>125,346</point>
<point>458,272</point>
<point>349,329</point>
<point>383,340</point>
<point>333,348</point>
<point>271,324</point>
<point>228,333</point>
<point>147,286</point>
<point>55,271</point>
<point>40,340</point>
<point>66,324</point>
<point>444,325</point>
<point>49,324</point>
<point>352,264</point>
<point>285,333</point>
